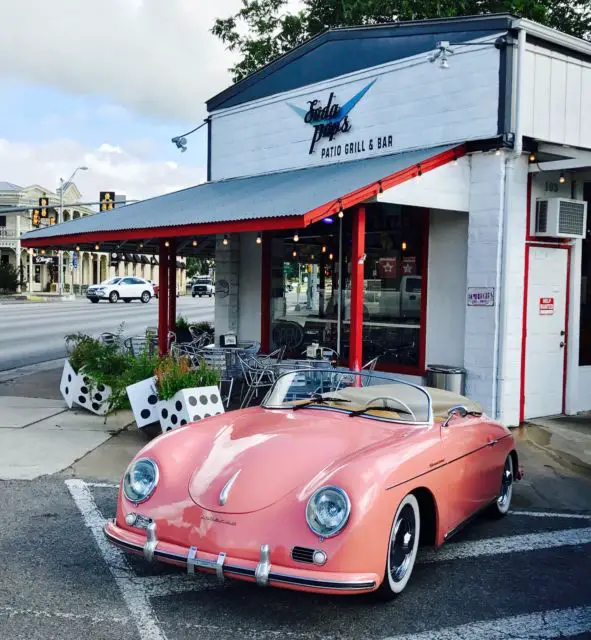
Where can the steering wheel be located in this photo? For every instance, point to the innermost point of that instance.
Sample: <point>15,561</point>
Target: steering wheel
<point>403,404</point>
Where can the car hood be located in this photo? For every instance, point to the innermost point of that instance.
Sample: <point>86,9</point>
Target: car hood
<point>263,455</point>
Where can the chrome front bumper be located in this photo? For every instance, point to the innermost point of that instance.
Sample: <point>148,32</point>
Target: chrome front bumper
<point>262,572</point>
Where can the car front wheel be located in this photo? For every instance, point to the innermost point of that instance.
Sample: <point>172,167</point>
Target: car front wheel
<point>402,548</point>
<point>113,296</point>
<point>93,300</point>
<point>145,297</point>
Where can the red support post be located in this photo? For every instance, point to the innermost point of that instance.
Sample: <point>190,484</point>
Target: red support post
<point>357,278</point>
<point>163,256</point>
<point>172,285</point>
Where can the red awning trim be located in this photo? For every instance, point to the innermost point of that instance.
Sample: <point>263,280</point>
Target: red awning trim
<point>258,224</point>
<point>373,189</point>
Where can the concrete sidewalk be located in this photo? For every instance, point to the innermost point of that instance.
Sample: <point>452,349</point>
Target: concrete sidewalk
<point>564,438</point>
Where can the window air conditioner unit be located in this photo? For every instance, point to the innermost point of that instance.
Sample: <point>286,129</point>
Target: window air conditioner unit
<point>560,218</point>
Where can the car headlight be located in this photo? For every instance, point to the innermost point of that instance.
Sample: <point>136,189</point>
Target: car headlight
<point>328,511</point>
<point>140,480</point>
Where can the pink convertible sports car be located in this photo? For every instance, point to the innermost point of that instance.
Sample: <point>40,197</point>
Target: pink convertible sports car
<point>329,486</point>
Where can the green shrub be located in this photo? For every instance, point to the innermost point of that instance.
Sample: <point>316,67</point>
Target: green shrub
<point>174,375</point>
<point>205,327</point>
<point>181,323</point>
<point>8,278</point>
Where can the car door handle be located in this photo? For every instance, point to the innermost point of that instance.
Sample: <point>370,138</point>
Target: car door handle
<point>492,442</point>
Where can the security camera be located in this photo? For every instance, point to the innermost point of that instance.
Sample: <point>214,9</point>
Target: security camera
<point>181,143</point>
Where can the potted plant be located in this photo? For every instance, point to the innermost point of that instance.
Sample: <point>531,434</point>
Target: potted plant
<point>182,330</point>
<point>186,394</point>
<point>139,388</point>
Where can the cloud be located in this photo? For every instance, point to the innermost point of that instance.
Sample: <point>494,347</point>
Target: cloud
<point>153,57</point>
<point>110,168</point>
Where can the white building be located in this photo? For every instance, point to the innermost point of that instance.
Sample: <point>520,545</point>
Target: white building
<point>454,246</point>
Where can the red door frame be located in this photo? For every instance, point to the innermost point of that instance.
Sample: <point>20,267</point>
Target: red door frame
<point>533,241</point>
<point>172,286</point>
<point>163,256</point>
<point>357,281</point>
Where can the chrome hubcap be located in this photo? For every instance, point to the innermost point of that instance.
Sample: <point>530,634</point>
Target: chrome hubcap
<point>402,543</point>
<point>506,485</point>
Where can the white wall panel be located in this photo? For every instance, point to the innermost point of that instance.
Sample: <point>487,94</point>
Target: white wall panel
<point>556,97</point>
<point>416,102</point>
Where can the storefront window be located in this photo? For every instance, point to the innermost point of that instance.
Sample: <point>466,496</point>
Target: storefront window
<point>585,331</point>
<point>305,287</point>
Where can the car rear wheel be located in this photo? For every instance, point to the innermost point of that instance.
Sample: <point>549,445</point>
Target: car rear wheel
<point>402,548</point>
<point>93,300</point>
<point>113,296</point>
<point>127,300</point>
<point>145,297</point>
<point>194,295</point>
<point>502,504</point>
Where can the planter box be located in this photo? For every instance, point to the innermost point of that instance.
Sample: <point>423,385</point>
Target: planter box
<point>189,405</point>
<point>144,402</point>
<point>76,389</point>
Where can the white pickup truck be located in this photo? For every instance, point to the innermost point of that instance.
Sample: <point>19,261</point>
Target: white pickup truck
<point>202,286</point>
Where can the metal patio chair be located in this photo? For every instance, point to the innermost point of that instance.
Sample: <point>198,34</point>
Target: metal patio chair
<point>255,377</point>
<point>136,345</point>
<point>217,359</point>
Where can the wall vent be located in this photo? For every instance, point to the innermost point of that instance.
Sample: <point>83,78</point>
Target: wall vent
<point>560,218</point>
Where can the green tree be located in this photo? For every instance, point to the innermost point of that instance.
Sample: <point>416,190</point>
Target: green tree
<point>262,30</point>
<point>199,267</point>
<point>9,279</point>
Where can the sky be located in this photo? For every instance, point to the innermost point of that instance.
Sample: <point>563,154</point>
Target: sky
<point>107,84</point>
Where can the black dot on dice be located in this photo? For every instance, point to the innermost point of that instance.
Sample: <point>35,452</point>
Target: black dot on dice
<point>164,413</point>
<point>218,413</point>
<point>101,387</point>
<point>183,422</point>
<point>67,391</point>
<point>173,418</point>
<point>203,399</point>
<point>152,399</point>
<point>213,398</point>
<point>169,429</point>
<point>69,378</point>
<point>83,389</point>
<point>96,406</point>
<point>85,380</point>
<point>196,417</point>
<point>178,405</point>
<point>98,397</point>
<point>193,401</point>
<point>81,399</point>
<point>145,413</point>
<point>207,415</point>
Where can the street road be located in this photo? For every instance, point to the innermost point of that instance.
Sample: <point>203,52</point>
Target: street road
<point>34,332</point>
<point>526,576</point>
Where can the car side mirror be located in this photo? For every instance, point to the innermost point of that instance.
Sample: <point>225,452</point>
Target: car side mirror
<point>457,410</point>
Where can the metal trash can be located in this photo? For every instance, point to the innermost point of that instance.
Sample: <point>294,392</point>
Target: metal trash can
<point>441,376</point>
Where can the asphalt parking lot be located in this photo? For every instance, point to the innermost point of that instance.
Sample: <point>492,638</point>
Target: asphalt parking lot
<point>526,576</point>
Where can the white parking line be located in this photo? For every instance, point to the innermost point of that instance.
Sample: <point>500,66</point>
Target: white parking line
<point>131,587</point>
<point>545,624</point>
<point>103,485</point>
<point>11,612</point>
<point>551,514</point>
<point>508,544</point>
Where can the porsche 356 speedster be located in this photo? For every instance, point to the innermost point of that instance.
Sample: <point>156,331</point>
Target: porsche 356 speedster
<point>329,486</point>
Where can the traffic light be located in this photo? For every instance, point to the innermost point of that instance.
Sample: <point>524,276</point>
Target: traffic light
<point>35,219</point>
<point>107,200</point>
<point>52,220</point>
<point>43,202</point>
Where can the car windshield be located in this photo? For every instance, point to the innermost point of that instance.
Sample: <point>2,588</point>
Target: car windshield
<point>111,281</point>
<point>360,394</point>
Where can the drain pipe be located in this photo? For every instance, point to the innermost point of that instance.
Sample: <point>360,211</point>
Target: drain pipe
<point>509,190</point>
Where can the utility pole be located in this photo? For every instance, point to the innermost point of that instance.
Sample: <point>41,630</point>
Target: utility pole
<point>60,219</point>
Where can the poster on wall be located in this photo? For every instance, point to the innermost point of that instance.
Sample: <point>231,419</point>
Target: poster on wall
<point>388,267</point>
<point>409,266</point>
<point>546,306</point>
<point>481,296</point>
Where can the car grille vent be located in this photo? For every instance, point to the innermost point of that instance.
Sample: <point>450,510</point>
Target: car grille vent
<point>303,554</point>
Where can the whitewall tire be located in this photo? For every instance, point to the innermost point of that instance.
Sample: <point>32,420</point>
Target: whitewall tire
<point>402,550</point>
<point>502,504</point>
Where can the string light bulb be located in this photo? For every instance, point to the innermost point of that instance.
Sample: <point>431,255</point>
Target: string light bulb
<point>294,253</point>
<point>225,240</point>
<point>141,245</point>
<point>532,157</point>
<point>296,237</point>
<point>77,248</point>
<point>331,256</point>
<point>259,239</point>
<point>562,178</point>
<point>403,245</point>
<point>194,243</point>
<point>323,248</point>
<point>96,247</point>
<point>498,152</point>
<point>312,257</point>
<point>42,252</point>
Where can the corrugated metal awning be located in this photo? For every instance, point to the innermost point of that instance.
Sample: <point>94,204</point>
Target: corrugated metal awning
<point>270,201</point>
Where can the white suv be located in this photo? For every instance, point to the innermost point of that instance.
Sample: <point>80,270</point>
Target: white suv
<point>127,288</point>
